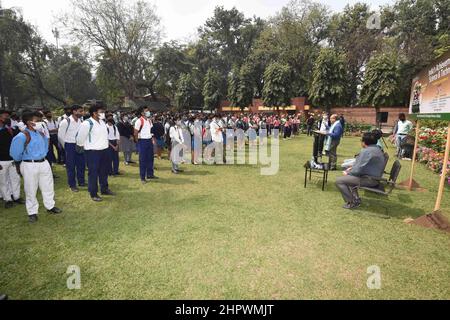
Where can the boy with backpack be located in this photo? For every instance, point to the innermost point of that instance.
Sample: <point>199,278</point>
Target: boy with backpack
<point>30,148</point>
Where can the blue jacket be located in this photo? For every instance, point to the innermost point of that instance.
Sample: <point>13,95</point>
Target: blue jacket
<point>337,133</point>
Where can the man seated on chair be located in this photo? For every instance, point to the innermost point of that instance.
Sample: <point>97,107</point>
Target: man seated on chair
<point>370,162</point>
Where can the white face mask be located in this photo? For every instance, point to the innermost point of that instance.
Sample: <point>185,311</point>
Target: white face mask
<point>148,114</point>
<point>102,116</point>
<point>38,126</point>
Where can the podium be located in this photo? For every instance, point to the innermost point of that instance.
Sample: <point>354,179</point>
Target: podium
<point>315,166</point>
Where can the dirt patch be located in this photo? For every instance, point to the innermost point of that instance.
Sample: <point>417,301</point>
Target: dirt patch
<point>415,186</point>
<point>435,220</point>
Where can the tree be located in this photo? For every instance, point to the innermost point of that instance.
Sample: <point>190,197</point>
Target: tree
<point>328,79</point>
<point>125,34</point>
<point>348,33</point>
<point>381,81</point>
<point>169,64</point>
<point>185,93</point>
<point>233,86</point>
<point>245,92</point>
<point>277,82</point>
<point>211,90</point>
<point>69,75</point>
<point>226,39</point>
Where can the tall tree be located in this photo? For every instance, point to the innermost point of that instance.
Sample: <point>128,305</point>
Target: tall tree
<point>381,81</point>
<point>245,92</point>
<point>277,82</point>
<point>185,96</point>
<point>329,80</point>
<point>125,33</point>
<point>211,90</point>
<point>348,32</point>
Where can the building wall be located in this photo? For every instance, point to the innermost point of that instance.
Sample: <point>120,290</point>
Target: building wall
<point>366,115</point>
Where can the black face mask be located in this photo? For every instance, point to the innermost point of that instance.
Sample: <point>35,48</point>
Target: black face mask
<point>68,113</point>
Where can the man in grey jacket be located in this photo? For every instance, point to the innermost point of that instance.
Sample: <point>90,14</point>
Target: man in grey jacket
<point>370,162</point>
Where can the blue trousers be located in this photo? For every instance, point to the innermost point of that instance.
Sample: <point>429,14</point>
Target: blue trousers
<point>113,159</point>
<point>75,165</point>
<point>97,161</point>
<point>146,158</point>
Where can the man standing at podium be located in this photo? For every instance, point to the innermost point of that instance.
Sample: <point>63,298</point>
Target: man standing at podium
<point>334,139</point>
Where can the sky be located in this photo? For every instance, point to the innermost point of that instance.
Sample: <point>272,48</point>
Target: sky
<point>180,18</point>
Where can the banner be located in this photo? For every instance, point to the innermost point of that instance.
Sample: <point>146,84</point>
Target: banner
<point>430,92</point>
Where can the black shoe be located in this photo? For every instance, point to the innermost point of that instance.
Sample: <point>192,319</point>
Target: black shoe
<point>19,201</point>
<point>357,203</point>
<point>9,204</point>
<point>55,176</point>
<point>180,170</point>
<point>349,206</point>
<point>175,172</point>
<point>55,210</point>
<point>33,218</point>
<point>108,193</point>
<point>3,297</point>
<point>96,199</point>
<point>152,178</point>
<point>75,189</point>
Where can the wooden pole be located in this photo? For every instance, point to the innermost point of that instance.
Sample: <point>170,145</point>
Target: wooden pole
<point>413,164</point>
<point>444,172</point>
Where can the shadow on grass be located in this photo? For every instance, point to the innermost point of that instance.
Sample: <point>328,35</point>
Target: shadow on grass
<point>389,207</point>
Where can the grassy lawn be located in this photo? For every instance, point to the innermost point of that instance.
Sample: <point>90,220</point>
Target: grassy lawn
<point>228,233</point>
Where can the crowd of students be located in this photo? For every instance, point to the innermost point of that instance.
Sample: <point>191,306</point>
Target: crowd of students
<point>91,143</point>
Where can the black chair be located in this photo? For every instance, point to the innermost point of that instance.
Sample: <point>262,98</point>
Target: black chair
<point>384,184</point>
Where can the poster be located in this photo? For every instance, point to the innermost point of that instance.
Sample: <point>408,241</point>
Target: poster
<point>430,92</point>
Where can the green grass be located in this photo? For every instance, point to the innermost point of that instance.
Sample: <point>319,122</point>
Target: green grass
<point>228,233</point>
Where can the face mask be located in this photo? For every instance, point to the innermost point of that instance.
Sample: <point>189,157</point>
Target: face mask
<point>148,114</point>
<point>102,116</point>
<point>69,113</point>
<point>126,119</point>
<point>38,126</point>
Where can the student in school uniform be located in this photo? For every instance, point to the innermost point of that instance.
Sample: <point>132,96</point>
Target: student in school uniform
<point>67,114</point>
<point>75,160</point>
<point>144,139</point>
<point>30,148</point>
<point>93,138</point>
<point>53,126</point>
<point>9,178</point>
<point>113,150</point>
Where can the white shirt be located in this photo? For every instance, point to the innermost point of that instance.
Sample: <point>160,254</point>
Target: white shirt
<point>404,127</point>
<point>176,134</point>
<point>95,138</point>
<point>146,132</point>
<point>113,133</point>
<point>51,125</point>
<point>67,133</point>
<point>216,134</point>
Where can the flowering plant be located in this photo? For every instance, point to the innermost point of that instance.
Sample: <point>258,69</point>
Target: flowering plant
<point>431,149</point>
